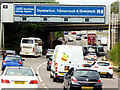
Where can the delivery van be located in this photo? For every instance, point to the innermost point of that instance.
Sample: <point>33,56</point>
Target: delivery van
<point>65,57</point>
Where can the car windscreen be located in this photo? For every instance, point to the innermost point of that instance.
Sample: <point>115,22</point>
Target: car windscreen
<point>90,59</point>
<point>28,41</point>
<point>103,63</point>
<point>19,72</point>
<point>12,58</point>
<point>86,73</point>
<point>100,49</point>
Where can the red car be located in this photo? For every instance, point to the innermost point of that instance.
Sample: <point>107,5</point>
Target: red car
<point>73,32</point>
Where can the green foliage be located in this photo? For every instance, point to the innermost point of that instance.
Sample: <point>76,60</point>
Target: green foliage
<point>115,7</point>
<point>115,54</point>
<point>58,34</point>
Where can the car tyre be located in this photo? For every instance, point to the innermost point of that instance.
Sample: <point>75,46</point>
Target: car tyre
<point>3,69</point>
<point>54,79</point>
<point>111,76</point>
<point>51,76</point>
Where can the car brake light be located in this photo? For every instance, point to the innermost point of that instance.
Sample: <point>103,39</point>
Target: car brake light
<point>55,70</point>
<point>110,67</point>
<point>5,54</point>
<point>4,81</point>
<point>50,63</point>
<point>4,61</point>
<point>33,49</point>
<point>99,81</point>
<point>56,64</point>
<point>21,49</point>
<point>19,62</point>
<point>83,65</point>
<point>33,82</point>
<point>56,67</point>
<point>95,66</point>
<point>74,79</point>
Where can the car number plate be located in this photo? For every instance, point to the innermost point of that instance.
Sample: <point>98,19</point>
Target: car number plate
<point>61,73</point>
<point>87,87</point>
<point>89,62</point>
<point>19,82</point>
<point>103,72</point>
<point>66,68</point>
<point>26,53</point>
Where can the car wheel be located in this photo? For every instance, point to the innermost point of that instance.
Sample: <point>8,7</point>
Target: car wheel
<point>48,69</point>
<point>54,79</point>
<point>51,76</point>
<point>3,69</point>
<point>64,88</point>
<point>111,76</point>
<point>70,88</point>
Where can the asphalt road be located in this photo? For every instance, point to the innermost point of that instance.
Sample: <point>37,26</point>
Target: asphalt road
<point>39,66</point>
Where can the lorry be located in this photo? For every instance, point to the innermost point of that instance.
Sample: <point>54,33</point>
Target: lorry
<point>65,57</point>
<point>91,38</point>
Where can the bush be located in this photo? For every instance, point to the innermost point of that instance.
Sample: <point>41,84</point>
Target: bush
<point>115,54</point>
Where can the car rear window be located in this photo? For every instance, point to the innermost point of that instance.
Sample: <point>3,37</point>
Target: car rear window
<point>19,72</point>
<point>28,41</point>
<point>12,58</point>
<point>100,49</point>
<point>103,63</point>
<point>86,73</point>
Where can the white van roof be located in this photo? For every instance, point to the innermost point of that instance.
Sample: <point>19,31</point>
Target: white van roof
<point>68,46</point>
<point>32,38</point>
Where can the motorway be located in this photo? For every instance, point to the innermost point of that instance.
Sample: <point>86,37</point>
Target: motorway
<point>39,66</point>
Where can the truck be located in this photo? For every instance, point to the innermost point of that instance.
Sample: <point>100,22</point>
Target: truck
<point>91,38</point>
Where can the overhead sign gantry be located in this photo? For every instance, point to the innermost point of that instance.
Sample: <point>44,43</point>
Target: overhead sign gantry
<point>28,12</point>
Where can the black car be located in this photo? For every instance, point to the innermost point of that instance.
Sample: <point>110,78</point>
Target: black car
<point>85,50</point>
<point>49,63</point>
<point>82,78</point>
<point>100,51</point>
<point>9,52</point>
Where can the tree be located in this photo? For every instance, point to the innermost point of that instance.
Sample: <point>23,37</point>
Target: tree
<point>115,7</point>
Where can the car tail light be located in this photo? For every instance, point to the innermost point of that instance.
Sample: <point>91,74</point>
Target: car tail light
<point>4,54</point>
<point>50,63</point>
<point>110,67</point>
<point>56,64</point>
<point>4,61</point>
<point>84,58</point>
<point>5,81</point>
<point>95,66</point>
<point>94,59</point>
<point>56,67</point>
<point>83,65</point>
<point>33,49</point>
<point>57,76</point>
<point>74,79</point>
<point>19,62</point>
<point>55,70</point>
<point>99,81</point>
<point>33,82</point>
<point>21,49</point>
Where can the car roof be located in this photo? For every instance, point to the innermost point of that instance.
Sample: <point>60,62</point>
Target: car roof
<point>10,51</point>
<point>18,67</point>
<point>14,55</point>
<point>84,68</point>
<point>103,61</point>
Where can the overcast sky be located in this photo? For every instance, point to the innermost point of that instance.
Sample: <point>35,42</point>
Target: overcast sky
<point>87,2</point>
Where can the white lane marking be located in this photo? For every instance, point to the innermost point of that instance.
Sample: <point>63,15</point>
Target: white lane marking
<point>39,77</point>
<point>99,59</point>
<point>116,77</point>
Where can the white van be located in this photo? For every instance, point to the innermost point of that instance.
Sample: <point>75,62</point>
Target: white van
<point>31,46</point>
<point>65,57</point>
<point>103,41</point>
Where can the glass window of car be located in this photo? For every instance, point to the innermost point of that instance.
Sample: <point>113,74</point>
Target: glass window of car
<point>27,41</point>
<point>12,58</point>
<point>100,49</point>
<point>86,73</point>
<point>103,63</point>
<point>19,72</point>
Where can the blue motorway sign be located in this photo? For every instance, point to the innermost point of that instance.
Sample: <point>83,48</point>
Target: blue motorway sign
<point>94,11</point>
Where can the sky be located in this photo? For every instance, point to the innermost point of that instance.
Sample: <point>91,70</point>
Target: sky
<point>87,2</point>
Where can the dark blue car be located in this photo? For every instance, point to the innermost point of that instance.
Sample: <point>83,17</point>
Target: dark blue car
<point>79,34</point>
<point>12,60</point>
